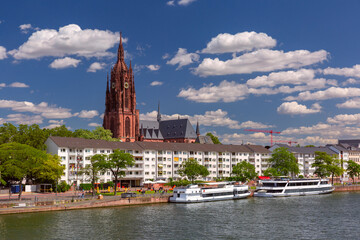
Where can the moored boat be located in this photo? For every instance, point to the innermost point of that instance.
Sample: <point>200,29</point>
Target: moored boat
<point>207,192</point>
<point>284,187</point>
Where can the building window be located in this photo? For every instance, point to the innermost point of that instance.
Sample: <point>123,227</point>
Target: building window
<point>127,127</point>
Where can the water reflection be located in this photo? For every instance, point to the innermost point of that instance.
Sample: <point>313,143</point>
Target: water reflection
<point>332,216</point>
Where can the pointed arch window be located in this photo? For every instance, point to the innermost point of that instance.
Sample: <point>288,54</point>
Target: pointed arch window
<point>127,127</point>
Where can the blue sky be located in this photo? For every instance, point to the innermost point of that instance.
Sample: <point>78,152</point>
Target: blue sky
<point>288,66</point>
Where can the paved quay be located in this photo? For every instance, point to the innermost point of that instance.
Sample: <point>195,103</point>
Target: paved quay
<point>63,202</point>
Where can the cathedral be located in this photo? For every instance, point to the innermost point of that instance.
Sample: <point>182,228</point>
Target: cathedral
<point>122,117</point>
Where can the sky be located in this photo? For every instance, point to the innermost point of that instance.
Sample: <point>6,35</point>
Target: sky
<point>288,66</point>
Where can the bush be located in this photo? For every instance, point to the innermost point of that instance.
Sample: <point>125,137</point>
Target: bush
<point>110,184</point>
<point>85,186</point>
<point>301,176</point>
<point>63,187</point>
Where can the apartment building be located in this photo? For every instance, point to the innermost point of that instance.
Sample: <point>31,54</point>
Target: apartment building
<point>306,156</point>
<point>154,160</point>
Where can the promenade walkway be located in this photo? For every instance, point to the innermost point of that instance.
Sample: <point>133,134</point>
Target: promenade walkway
<point>70,201</point>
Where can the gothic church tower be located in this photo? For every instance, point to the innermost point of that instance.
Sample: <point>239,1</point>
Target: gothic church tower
<point>121,115</point>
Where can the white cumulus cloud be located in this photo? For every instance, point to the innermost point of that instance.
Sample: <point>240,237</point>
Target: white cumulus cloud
<point>68,40</point>
<point>153,67</point>
<point>350,81</point>
<point>54,124</point>
<point>26,27</point>
<point>345,119</point>
<point>171,3</point>
<point>64,63</point>
<point>88,114</point>
<point>96,66</point>
<point>94,125</point>
<point>19,118</point>
<point>294,108</point>
<point>3,54</point>
<point>156,83</point>
<point>185,2</point>
<point>224,92</point>
<point>244,41</point>
<point>348,72</point>
<point>285,77</point>
<point>183,58</point>
<point>18,85</point>
<point>352,103</point>
<point>263,60</point>
<point>330,93</point>
<point>42,108</point>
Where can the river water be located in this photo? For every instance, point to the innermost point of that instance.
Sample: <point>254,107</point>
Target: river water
<point>333,216</point>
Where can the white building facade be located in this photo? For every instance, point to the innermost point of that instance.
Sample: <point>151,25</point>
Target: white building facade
<point>306,156</point>
<point>154,160</point>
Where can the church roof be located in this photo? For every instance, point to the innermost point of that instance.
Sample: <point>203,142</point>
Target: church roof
<point>204,140</point>
<point>178,128</point>
<point>150,130</point>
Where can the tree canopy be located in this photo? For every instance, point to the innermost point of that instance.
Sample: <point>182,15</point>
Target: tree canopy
<point>91,171</point>
<point>353,169</point>
<point>244,171</point>
<point>214,138</point>
<point>283,163</point>
<point>34,136</point>
<point>97,133</point>
<point>192,169</point>
<point>117,162</point>
<point>20,161</point>
<point>326,165</point>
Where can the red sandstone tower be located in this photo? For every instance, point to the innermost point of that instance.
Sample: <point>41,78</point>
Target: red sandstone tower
<point>121,115</point>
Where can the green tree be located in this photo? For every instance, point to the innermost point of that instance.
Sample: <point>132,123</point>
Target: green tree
<point>104,134</point>
<point>31,135</point>
<point>97,133</point>
<point>60,131</point>
<point>20,162</point>
<point>192,169</point>
<point>271,172</point>
<point>92,170</point>
<point>117,162</point>
<point>244,171</point>
<point>214,138</point>
<point>353,169</point>
<point>7,133</point>
<point>310,145</point>
<point>284,162</point>
<point>326,165</point>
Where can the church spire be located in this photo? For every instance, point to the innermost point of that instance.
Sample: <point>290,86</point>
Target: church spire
<point>120,50</point>
<point>158,115</point>
<point>197,129</point>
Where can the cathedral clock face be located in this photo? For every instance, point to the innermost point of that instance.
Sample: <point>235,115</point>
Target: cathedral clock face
<point>126,85</point>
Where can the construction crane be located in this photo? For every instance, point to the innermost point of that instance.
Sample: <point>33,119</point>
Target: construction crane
<point>289,142</point>
<point>264,131</point>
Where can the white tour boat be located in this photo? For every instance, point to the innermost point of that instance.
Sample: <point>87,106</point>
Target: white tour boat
<point>209,192</point>
<point>284,187</point>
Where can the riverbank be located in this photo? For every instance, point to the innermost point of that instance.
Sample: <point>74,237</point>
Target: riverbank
<point>347,188</point>
<point>107,201</point>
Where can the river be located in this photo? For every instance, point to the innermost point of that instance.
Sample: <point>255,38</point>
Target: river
<point>333,216</point>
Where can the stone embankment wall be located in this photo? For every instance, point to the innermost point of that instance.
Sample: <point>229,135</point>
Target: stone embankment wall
<point>347,188</point>
<point>83,204</point>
